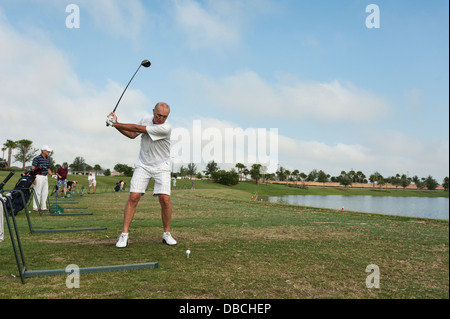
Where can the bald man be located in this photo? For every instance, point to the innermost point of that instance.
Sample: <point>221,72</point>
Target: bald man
<point>153,162</point>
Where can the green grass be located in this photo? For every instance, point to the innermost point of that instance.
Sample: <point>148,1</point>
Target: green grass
<point>239,249</point>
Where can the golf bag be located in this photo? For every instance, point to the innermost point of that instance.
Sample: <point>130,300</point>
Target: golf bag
<point>22,187</point>
<point>2,228</point>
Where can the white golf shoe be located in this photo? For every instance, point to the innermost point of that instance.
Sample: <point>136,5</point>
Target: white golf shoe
<point>168,239</point>
<point>123,241</point>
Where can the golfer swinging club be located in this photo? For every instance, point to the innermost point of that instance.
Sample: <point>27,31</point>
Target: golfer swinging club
<point>153,162</point>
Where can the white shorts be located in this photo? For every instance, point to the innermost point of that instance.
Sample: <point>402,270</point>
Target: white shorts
<point>141,178</point>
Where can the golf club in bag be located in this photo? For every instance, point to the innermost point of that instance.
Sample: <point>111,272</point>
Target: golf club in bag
<point>22,188</point>
<point>3,200</point>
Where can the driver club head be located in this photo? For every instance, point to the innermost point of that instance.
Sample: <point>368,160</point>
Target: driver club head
<point>146,63</point>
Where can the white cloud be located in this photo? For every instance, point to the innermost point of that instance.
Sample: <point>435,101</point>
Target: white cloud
<point>388,153</point>
<point>418,156</point>
<point>208,26</point>
<point>125,19</point>
<point>217,24</point>
<point>41,99</point>
<point>249,94</point>
<point>308,155</point>
<point>414,100</point>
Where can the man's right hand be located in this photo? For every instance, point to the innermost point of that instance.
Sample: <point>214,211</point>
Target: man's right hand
<point>110,121</point>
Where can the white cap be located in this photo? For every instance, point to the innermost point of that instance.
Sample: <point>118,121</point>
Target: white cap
<point>46,148</point>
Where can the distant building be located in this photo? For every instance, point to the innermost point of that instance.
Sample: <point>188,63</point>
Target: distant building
<point>116,173</point>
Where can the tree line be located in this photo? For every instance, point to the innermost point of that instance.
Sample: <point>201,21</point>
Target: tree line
<point>26,152</point>
<point>257,172</point>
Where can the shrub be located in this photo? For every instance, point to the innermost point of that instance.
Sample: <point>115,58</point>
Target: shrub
<point>226,178</point>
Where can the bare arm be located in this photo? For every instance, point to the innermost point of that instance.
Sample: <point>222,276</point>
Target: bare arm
<point>130,130</point>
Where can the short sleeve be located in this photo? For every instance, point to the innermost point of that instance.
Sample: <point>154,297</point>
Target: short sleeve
<point>159,132</point>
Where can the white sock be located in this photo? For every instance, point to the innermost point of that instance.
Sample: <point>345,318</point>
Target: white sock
<point>125,234</point>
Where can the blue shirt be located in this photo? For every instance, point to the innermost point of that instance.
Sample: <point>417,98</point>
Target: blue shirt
<point>44,163</point>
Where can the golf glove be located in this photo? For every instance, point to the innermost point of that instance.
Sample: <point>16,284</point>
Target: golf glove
<point>110,121</point>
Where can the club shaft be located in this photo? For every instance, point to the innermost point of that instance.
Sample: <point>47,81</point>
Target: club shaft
<point>126,88</point>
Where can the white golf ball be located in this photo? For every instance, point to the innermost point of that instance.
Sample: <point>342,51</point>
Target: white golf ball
<point>188,251</point>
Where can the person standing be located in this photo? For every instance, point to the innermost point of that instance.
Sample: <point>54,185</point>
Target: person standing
<point>62,179</point>
<point>92,182</point>
<point>153,162</point>
<point>41,181</point>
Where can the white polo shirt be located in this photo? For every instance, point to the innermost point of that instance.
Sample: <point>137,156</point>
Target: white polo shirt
<point>155,145</point>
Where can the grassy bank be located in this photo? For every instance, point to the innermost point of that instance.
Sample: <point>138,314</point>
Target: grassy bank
<point>239,249</point>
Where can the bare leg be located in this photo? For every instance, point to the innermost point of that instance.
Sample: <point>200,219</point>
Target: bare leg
<point>130,209</point>
<point>166,211</point>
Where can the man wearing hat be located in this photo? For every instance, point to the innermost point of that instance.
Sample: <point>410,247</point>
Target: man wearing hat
<point>41,181</point>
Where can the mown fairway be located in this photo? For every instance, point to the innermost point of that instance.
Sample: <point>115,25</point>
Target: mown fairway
<point>239,249</point>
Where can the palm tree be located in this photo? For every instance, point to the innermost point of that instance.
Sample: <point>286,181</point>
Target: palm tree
<point>303,177</point>
<point>255,172</point>
<point>288,175</point>
<point>192,169</point>
<point>381,181</point>
<point>246,172</point>
<point>376,178</point>
<point>360,176</point>
<point>26,152</point>
<point>322,177</point>
<point>10,145</point>
<point>241,167</point>
<point>405,181</point>
<point>211,168</point>
<point>445,183</point>
<point>281,173</point>
<point>97,168</point>
<point>345,180</point>
<point>295,173</point>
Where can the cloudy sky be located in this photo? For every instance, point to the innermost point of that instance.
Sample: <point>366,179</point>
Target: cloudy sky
<point>337,92</point>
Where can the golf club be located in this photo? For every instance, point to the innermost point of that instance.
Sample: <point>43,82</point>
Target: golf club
<point>2,184</point>
<point>145,64</point>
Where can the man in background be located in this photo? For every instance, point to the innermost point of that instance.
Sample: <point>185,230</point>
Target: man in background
<point>41,181</point>
<point>62,179</point>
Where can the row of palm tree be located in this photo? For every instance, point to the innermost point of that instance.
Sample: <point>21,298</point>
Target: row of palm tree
<point>25,151</point>
<point>258,172</point>
<point>345,178</point>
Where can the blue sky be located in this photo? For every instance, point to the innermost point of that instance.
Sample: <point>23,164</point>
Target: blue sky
<point>341,95</point>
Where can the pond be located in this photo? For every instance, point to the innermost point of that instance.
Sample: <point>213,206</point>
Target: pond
<point>425,207</point>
